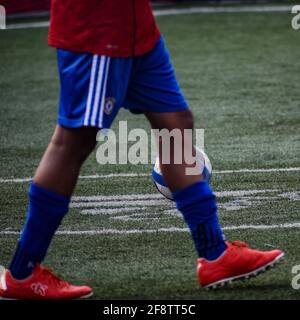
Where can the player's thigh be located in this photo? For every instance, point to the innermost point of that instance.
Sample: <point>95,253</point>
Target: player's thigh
<point>75,137</point>
<point>74,143</point>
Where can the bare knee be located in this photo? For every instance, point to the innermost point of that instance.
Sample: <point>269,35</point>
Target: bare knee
<point>75,144</point>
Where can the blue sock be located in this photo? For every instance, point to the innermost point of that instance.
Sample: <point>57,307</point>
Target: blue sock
<point>45,213</point>
<point>198,205</point>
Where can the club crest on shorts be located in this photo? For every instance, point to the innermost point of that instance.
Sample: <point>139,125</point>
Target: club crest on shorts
<point>109,105</point>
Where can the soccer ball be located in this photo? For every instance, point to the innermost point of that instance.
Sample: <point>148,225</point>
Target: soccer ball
<point>204,167</point>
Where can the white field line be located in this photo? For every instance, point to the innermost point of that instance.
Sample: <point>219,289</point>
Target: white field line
<point>121,204</point>
<point>112,204</point>
<point>229,9</point>
<point>138,217</point>
<point>296,169</point>
<point>170,230</point>
<point>28,25</point>
<point>168,12</point>
<point>117,197</point>
<point>137,175</point>
<point>100,211</point>
<point>149,199</point>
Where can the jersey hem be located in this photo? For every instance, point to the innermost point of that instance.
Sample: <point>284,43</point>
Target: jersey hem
<point>124,53</point>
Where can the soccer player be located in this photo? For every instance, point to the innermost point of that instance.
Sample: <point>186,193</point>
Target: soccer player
<point>111,55</point>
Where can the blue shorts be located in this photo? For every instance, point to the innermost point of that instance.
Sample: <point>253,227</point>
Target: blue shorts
<point>94,88</point>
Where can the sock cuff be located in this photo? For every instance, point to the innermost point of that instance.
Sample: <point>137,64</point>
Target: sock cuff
<point>197,192</point>
<point>48,199</point>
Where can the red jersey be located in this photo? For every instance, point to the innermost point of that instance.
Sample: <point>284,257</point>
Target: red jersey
<point>116,28</point>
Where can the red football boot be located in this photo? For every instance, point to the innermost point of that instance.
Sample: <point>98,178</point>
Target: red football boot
<point>237,262</point>
<point>41,285</point>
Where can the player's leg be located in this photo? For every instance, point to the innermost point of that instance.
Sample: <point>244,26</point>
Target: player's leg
<point>193,196</point>
<point>73,140</point>
<point>154,89</point>
<point>49,198</point>
<point>219,261</point>
<point>80,117</point>
<point>86,82</point>
<point>49,195</point>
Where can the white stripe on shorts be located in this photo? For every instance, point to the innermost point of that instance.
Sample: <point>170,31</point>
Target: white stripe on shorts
<point>98,90</point>
<point>103,94</point>
<point>91,90</point>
